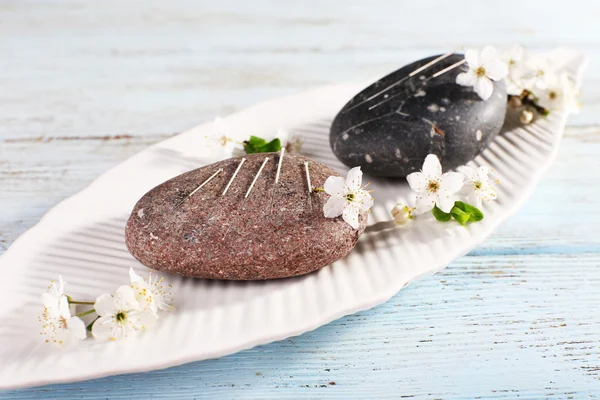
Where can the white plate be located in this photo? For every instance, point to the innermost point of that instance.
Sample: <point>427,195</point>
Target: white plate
<point>83,239</point>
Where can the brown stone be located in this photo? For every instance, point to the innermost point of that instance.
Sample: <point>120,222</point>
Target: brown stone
<point>274,233</point>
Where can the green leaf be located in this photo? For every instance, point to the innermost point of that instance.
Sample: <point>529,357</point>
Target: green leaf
<point>272,146</point>
<point>440,215</point>
<point>476,214</point>
<point>254,144</point>
<point>459,215</point>
<point>260,145</point>
<point>463,213</point>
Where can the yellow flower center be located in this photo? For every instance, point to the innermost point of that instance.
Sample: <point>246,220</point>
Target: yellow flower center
<point>349,197</point>
<point>480,71</point>
<point>433,186</point>
<point>552,95</point>
<point>477,185</point>
<point>121,317</point>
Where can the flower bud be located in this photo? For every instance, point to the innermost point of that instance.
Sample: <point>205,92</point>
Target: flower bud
<point>526,117</point>
<point>401,214</point>
<point>515,102</point>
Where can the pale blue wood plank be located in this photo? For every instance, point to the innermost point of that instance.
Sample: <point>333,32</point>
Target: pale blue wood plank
<point>99,67</point>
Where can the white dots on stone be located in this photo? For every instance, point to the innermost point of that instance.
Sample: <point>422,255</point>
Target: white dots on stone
<point>420,93</point>
<point>433,107</point>
<point>457,118</point>
<point>385,96</point>
<point>140,213</point>
<point>478,135</point>
<point>445,101</point>
<point>398,153</point>
<point>368,158</point>
<point>442,109</point>
<point>345,136</point>
<point>422,77</point>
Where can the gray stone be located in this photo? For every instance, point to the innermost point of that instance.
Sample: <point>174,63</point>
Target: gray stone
<point>272,234</point>
<point>391,134</point>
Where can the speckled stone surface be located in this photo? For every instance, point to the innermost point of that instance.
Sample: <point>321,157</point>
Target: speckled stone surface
<point>419,116</point>
<point>288,239</point>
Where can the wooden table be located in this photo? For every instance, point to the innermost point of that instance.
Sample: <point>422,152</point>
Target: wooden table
<point>84,85</point>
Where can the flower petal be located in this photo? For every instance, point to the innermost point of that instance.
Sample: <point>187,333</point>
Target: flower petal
<point>334,207</point>
<point>354,178</point>
<point>472,57</point>
<point>451,182</point>
<point>76,328</point>
<point>363,200</point>
<point>335,186</point>
<point>133,277</point>
<point>105,328</point>
<point>496,70</point>
<point>487,55</point>
<point>484,87</point>
<point>466,78</point>
<point>63,307</point>
<point>432,167</point>
<point>482,173</point>
<point>350,216</point>
<point>61,284</point>
<point>124,298</point>
<point>515,54</point>
<point>445,201</point>
<point>468,172</point>
<point>417,182</point>
<point>105,305</point>
<point>144,295</point>
<point>425,202</point>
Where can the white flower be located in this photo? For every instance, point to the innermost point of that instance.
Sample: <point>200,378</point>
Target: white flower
<point>51,299</point>
<point>348,198</point>
<point>292,142</point>
<point>477,187</point>
<point>484,68</point>
<point>517,71</point>
<point>219,138</point>
<point>120,315</point>
<point>539,74</point>
<point>433,187</point>
<point>59,326</point>
<point>560,94</point>
<point>402,214</point>
<point>150,294</point>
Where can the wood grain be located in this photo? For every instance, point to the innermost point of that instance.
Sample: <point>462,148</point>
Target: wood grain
<point>84,85</point>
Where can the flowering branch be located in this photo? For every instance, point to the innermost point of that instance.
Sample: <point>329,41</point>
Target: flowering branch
<point>437,192</point>
<point>130,309</point>
<point>534,86</point>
